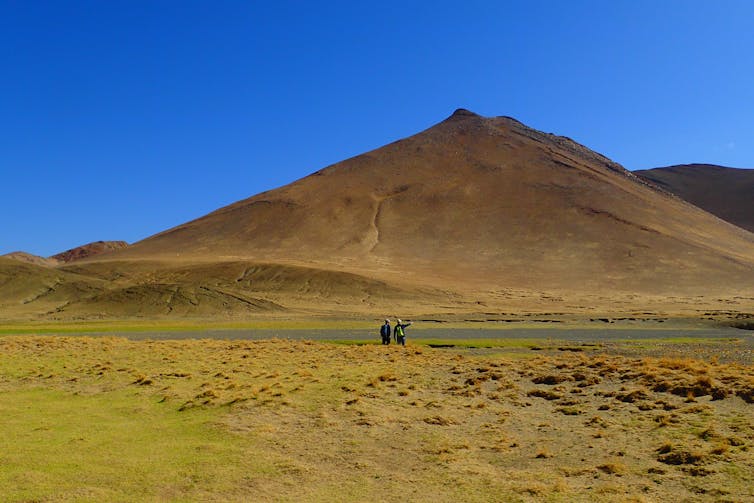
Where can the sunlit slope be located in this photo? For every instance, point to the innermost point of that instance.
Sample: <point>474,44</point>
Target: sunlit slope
<point>207,289</point>
<point>475,202</point>
<point>27,288</point>
<point>725,192</point>
<point>147,289</point>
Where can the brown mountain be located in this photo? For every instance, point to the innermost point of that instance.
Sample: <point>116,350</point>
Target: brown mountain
<point>725,192</point>
<point>89,250</point>
<point>473,214</point>
<point>473,202</point>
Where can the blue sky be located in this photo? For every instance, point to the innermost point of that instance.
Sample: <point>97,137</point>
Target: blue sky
<point>120,119</point>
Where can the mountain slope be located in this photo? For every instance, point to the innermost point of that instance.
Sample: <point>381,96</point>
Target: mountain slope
<point>32,289</point>
<point>725,192</point>
<point>474,202</point>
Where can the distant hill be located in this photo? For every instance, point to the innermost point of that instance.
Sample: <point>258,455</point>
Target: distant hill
<point>725,192</point>
<point>89,250</point>
<point>30,259</point>
<point>72,255</point>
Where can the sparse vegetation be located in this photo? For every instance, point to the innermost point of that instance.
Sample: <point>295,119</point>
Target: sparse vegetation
<point>92,419</point>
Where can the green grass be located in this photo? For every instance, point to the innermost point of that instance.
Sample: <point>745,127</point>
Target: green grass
<point>458,343</point>
<point>483,343</point>
<point>649,343</point>
<point>88,327</point>
<point>130,325</point>
<point>115,446</point>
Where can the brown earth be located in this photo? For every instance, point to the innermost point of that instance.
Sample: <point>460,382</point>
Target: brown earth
<point>473,215</point>
<point>89,250</point>
<point>725,192</point>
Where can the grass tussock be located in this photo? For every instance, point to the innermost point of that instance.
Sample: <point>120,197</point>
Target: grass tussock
<point>679,456</point>
<point>544,393</point>
<point>613,468</point>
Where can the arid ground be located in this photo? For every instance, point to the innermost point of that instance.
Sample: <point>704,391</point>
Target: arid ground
<point>457,419</point>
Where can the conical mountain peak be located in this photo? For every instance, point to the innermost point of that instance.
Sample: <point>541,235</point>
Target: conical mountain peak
<point>473,201</point>
<point>461,113</point>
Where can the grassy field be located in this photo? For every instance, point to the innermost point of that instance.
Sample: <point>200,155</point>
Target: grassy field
<point>112,419</point>
<point>553,323</point>
<point>130,325</point>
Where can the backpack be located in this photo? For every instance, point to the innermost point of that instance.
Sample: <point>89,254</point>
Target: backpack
<point>385,330</point>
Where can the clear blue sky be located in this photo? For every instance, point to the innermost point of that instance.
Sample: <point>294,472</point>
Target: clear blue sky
<point>120,119</point>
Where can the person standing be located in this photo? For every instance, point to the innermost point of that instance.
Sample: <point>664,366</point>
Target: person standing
<point>385,332</point>
<point>399,332</point>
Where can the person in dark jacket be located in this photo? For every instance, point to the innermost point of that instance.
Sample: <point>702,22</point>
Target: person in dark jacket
<point>385,332</point>
<point>399,332</point>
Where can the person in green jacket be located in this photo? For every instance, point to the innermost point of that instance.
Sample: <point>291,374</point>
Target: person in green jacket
<point>399,332</point>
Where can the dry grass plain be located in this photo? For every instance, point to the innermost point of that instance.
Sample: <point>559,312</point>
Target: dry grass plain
<point>111,419</point>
